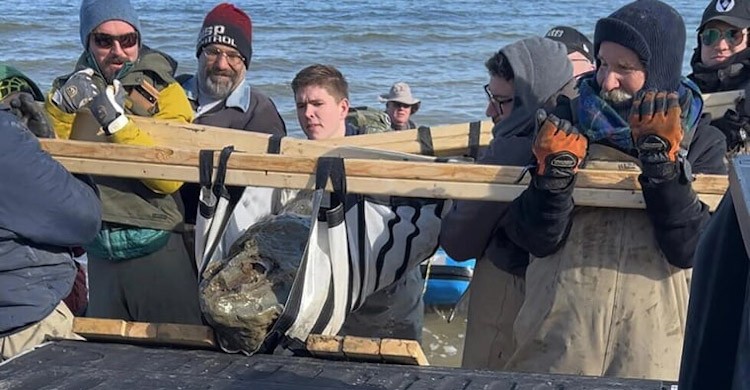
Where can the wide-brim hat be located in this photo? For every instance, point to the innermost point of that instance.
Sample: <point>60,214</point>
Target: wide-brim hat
<point>733,12</point>
<point>401,93</point>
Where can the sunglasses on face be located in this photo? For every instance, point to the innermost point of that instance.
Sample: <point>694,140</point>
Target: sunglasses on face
<point>106,41</point>
<point>496,100</point>
<point>709,36</point>
<point>233,58</point>
<point>400,105</point>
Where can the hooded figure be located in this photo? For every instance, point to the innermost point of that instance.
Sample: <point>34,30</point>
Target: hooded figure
<point>608,287</point>
<point>541,73</point>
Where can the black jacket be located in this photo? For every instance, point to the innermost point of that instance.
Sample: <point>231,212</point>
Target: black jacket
<point>714,352</point>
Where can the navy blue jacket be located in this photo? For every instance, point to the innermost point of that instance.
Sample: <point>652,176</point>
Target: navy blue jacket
<point>44,210</point>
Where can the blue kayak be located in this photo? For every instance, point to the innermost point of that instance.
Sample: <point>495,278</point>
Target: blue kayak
<point>447,279</point>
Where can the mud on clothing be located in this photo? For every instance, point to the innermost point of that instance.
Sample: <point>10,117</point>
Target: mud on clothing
<point>470,230</point>
<point>140,216</point>
<point>607,289</point>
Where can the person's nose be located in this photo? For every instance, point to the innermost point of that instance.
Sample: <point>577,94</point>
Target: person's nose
<point>610,81</point>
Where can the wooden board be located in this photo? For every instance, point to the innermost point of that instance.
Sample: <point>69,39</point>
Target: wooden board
<point>447,140</point>
<point>401,178</point>
<point>353,348</point>
<point>99,329</point>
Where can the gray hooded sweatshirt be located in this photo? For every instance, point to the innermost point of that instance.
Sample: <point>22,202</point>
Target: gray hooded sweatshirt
<point>542,72</point>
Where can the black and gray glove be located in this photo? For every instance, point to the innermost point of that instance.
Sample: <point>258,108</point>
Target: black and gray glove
<point>31,114</point>
<point>77,92</point>
<point>736,129</point>
<point>108,110</point>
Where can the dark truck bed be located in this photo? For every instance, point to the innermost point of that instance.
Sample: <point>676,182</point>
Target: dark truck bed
<point>87,365</point>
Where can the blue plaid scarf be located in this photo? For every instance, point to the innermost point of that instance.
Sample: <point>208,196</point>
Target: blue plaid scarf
<point>601,123</point>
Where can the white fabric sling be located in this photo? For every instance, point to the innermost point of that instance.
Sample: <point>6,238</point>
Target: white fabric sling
<point>358,245</point>
<point>214,207</point>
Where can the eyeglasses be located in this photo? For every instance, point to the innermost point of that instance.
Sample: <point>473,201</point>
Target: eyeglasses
<point>400,105</point>
<point>498,101</point>
<point>709,36</point>
<point>233,58</point>
<point>106,41</point>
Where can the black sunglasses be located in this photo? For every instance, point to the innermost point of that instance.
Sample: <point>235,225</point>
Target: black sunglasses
<point>709,36</point>
<point>106,41</point>
<point>400,105</point>
<point>498,101</point>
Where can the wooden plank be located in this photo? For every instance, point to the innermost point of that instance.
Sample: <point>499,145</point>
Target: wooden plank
<point>361,349</point>
<point>381,169</point>
<point>143,332</point>
<point>403,352</point>
<point>447,140</point>
<point>374,186</point>
<point>325,347</point>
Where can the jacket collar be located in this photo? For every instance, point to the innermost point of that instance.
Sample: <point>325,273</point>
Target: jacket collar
<point>239,98</point>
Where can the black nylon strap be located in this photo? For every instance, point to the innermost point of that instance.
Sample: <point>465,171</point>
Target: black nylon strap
<point>205,167</point>
<point>221,169</point>
<point>274,144</point>
<point>425,141</point>
<point>474,133</point>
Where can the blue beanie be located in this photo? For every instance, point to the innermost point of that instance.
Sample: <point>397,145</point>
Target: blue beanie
<point>653,30</point>
<point>96,12</point>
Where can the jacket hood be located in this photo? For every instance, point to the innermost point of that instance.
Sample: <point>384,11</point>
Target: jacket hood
<point>541,68</point>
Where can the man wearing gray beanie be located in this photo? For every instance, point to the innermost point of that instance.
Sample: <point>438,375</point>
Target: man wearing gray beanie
<point>139,267</point>
<point>607,288</point>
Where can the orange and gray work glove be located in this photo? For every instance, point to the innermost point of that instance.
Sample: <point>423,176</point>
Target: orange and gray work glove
<point>31,114</point>
<point>559,150</point>
<point>107,108</point>
<point>656,126</point>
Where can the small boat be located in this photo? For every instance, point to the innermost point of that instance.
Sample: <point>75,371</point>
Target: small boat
<point>446,279</point>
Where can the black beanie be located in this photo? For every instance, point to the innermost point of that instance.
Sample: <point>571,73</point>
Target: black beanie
<point>656,32</point>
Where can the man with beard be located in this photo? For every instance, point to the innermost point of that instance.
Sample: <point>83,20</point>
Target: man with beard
<point>139,268</point>
<point>221,96</point>
<point>721,62</point>
<point>533,72</point>
<point>607,288</point>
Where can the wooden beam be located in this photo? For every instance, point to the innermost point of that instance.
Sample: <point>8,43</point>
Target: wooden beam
<point>447,140</point>
<point>365,168</point>
<point>364,349</point>
<point>403,352</point>
<point>145,332</point>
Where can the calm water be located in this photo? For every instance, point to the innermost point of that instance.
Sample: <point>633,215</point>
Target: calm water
<point>437,47</point>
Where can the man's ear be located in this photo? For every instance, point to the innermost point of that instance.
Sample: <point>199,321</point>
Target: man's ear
<point>344,106</point>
